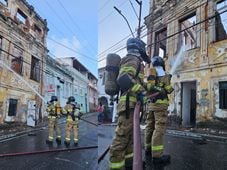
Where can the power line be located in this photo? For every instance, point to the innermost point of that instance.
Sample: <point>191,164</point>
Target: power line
<point>103,52</point>
<point>107,16</point>
<point>22,50</point>
<point>152,44</point>
<point>169,21</point>
<point>67,46</point>
<point>134,9</point>
<point>60,18</point>
<point>42,70</point>
<point>187,28</point>
<point>72,19</point>
<point>107,1</point>
<point>84,55</point>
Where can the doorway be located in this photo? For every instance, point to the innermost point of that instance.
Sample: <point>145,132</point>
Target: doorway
<point>188,108</point>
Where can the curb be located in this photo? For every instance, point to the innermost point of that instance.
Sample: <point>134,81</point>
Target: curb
<point>10,136</point>
<point>199,136</point>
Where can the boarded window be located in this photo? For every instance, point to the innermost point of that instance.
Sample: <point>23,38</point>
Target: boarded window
<point>160,43</point>
<point>17,60</point>
<point>35,69</point>
<point>220,21</point>
<point>12,107</point>
<point>21,16</point>
<point>188,36</point>
<point>223,95</point>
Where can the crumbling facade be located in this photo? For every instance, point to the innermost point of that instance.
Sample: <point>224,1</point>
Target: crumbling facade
<point>191,37</point>
<point>22,55</point>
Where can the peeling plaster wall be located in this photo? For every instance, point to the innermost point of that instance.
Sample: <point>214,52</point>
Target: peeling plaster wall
<point>206,64</point>
<point>23,36</point>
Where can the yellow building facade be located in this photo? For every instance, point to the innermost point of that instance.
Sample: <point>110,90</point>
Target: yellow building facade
<point>192,34</point>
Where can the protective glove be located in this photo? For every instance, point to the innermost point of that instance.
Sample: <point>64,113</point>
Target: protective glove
<point>169,77</point>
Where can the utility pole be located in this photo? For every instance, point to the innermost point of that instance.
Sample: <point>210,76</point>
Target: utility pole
<point>140,12</point>
<point>119,11</point>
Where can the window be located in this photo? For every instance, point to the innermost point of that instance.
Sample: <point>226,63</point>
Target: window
<point>17,60</point>
<point>21,16</point>
<point>188,36</point>
<point>37,29</point>
<point>223,95</point>
<point>220,21</point>
<point>35,69</point>
<point>12,107</point>
<point>160,43</point>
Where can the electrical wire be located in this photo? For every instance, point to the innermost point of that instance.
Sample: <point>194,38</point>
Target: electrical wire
<point>170,20</point>
<point>62,20</point>
<point>108,15</point>
<point>78,27</point>
<point>134,10</point>
<point>152,44</point>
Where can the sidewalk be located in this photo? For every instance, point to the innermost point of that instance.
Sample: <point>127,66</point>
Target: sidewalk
<point>211,130</point>
<point>10,130</point>
<point>215,130</point>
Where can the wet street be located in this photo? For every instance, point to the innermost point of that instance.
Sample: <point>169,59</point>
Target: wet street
<point>186,153</point>
<point>29,146</point>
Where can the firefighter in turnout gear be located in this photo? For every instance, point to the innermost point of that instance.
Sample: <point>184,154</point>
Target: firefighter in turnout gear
<point>130,81</point>
<point>72,111</point>
<point>158,85</point>
<point>54,111</point>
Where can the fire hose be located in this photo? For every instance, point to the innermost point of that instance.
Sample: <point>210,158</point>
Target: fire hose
<point>47,151</point>
<point>89,122</point>
<point>137,149</point>
<point>53,150</point>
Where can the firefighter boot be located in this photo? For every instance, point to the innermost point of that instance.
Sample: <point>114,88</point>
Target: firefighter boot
<point>49,142</point>
<point>75,142</point>
<point>129,167</point>
<point>148,159</point>
<point>164,159</point>
<point>58,140</point>
<point>148,152</point>
<point>67,143</point>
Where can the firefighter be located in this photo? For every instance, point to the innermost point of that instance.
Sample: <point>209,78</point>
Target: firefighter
<point>72,111</point>
<point>54,111</point>
<point>157,113</point>
<point>130,80</point>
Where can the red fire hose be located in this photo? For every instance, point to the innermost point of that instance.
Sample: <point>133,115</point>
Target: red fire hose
<point>137,156</point>
<point>47,151</point>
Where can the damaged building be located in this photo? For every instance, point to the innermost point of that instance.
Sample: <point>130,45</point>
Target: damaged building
<point>191,37</point>
<point>22,55</point>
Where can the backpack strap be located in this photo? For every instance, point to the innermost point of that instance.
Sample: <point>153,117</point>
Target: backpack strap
<point>137,71</point>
